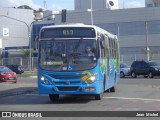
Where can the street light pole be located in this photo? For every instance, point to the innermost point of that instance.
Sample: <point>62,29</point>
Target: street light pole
<point>91,14</point>
<point>30,46</point>
<point>147,48</point>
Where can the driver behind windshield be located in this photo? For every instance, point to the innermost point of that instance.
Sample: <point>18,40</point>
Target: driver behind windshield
<point>89,52</point>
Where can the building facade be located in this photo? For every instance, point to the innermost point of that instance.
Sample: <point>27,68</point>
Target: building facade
<point>96,4</point>
<point>21,29</point>
<point>15,28</point>
<point>17,22</point>
<point>134,28</point>
<point>152,3</point>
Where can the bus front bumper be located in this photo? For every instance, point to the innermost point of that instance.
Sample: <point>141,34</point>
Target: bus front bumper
<point>67,89</point>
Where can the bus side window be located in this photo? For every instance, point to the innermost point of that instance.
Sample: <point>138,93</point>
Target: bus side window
<point>106,47</point>
<point>113,48</point>
<point>110,48</point>
<point>102,50</point>
<point>107,54</point>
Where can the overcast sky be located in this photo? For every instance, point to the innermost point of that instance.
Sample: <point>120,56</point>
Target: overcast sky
<point>62,4</point>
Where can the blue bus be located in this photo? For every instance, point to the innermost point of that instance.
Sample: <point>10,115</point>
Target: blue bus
<point>77,59</point>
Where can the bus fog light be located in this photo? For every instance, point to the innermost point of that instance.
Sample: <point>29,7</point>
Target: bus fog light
<point>88,89</point>
<point>47,82</point>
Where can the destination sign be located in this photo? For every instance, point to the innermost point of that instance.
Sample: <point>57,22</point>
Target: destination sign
<point>71,32</point>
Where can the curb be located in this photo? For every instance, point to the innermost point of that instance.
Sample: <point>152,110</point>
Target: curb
<point>27,76</point>
<point>34,76</point>
<point>15,93</point>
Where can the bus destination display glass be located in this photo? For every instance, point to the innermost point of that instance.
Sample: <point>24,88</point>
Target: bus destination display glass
<point>71,32</point>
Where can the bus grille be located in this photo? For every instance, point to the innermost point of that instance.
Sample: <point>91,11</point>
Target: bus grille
<point>73,79</point>
<point>61,88</point>
<point>71,82</point>
<point>64,76</point>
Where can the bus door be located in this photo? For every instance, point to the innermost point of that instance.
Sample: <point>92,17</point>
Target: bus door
<point>107,57</point>
<point>104,58</point>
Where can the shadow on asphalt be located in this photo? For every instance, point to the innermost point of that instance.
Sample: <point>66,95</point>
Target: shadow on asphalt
<point>141,77</point>
<point>17,91</point>
<point>29,99</point>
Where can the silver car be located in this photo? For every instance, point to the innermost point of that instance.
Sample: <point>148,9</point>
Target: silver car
<point>124,70</point>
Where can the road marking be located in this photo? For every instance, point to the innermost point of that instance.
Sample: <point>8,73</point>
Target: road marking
<point>156,79</point>
<point>124,98</point>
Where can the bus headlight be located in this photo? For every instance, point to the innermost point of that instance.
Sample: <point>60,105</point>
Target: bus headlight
<point>88,77</point>
<point>45,80</point>
<point>42,78</point>
<point>92,79</point>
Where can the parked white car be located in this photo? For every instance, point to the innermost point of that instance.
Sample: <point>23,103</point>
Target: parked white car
<point>124,70</point>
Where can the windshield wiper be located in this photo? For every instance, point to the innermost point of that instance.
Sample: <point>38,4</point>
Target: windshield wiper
<point>78,44</point>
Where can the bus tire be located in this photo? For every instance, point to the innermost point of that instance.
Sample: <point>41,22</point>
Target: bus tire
<point>104,83</point>
<point>54,97</point>
<point>112,89</point>
<point>107,90</point>
<point>99,96</point>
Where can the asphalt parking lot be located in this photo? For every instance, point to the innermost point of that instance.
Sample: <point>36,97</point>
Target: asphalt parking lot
<point>131,95</point>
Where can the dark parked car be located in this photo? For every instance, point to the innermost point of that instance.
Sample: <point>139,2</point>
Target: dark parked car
<point>7,75</point>
<point>124,70</point>
<point>16,68</point>
<point>145,68</point>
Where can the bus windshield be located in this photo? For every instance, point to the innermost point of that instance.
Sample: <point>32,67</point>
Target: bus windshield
<point>67,54</point>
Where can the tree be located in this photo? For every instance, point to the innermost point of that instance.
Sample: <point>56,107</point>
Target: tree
<point>26,53</point>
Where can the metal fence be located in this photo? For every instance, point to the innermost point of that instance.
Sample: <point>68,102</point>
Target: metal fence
<point>128,59</point>
<point>24,61</point>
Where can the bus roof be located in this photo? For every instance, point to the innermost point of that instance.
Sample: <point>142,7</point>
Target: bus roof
<point>98,29</point>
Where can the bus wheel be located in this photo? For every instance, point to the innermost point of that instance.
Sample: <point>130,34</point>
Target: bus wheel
<point>54,97</point>
<point>108,90</point>
<point>112,89</point>
<point>99,96</point>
